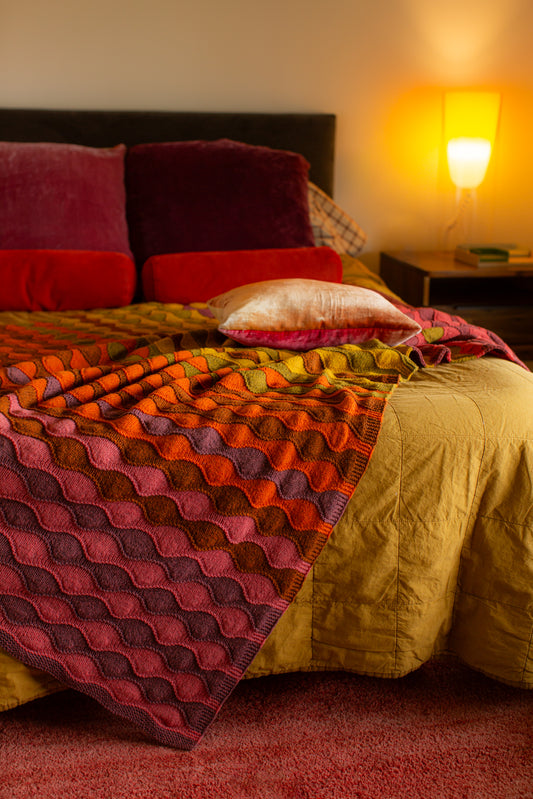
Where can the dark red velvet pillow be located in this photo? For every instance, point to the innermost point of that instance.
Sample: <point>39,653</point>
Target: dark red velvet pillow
<point>189,277</point>
<point>62,197</point>
<point>205,196</point>
<point>63,280</point>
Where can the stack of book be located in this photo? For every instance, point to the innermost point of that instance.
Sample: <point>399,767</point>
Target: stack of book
<point>493,254</point>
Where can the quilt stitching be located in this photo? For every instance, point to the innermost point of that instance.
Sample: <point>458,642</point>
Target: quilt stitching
<point>161,506</point>
<point>164,496</point>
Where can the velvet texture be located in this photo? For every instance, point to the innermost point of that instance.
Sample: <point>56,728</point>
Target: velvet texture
<point>62,196</point>
<point>204,196</point>
<point>63,280</point>
<point>312,135</point>
<point>189,277</point>
<point>303,314</point>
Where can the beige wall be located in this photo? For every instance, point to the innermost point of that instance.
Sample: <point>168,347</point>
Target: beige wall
<point>380,65</point>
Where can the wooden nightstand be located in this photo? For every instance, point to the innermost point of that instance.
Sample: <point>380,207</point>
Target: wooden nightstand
<point>496,297</point>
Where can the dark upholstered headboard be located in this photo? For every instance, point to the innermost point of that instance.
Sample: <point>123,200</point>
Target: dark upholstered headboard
<point>312,135</point>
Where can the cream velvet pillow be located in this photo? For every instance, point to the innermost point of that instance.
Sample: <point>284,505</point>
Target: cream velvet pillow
<point>300,314</point>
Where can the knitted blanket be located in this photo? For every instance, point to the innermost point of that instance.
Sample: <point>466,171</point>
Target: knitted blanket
<point>163,496</point>
<point>445,338</point>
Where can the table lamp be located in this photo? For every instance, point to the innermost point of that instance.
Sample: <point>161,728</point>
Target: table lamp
<point>470,124</point>
<point>471,121</point>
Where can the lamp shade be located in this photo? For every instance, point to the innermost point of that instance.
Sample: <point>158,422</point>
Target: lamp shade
<point>470,124</point>
<point>468,159</point>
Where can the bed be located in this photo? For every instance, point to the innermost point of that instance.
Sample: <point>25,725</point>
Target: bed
<point>188,498</point>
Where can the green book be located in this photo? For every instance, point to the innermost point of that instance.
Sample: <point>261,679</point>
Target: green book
<point>475,254</point>
<point>512,250</point>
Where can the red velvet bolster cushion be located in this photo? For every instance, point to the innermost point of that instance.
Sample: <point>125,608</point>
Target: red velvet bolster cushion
<point>63,280</point>
<point>201,196</point>
<point>62,197</point>
<point>198,276</point>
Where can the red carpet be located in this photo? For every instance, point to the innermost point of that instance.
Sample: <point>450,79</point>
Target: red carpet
<point>443,732</point>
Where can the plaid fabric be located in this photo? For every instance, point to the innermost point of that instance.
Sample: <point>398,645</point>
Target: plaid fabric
<point>332,227</point>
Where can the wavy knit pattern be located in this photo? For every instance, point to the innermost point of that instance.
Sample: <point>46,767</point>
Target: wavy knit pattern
<point>445,338</point>
<point>163,497</point>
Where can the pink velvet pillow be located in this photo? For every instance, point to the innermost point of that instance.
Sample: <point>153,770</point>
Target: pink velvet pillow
<point>201,196</point>
<point>63,280</point>
<point>62,197</point>
<point>190,277</point>
<point>303,314</point>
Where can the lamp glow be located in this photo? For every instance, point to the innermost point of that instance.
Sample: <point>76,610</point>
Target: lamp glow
<point>468,159</point>
<point>470,125</point>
